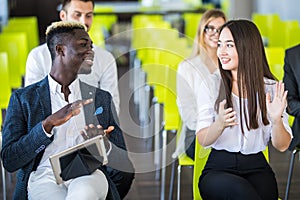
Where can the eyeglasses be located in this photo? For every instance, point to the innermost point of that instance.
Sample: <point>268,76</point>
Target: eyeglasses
<point>211,30</point>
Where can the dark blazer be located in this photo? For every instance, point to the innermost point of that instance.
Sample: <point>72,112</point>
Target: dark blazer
<point>291,81</point>
<point>24,140</point>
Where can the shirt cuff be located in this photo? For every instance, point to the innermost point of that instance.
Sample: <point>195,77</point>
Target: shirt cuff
<point>49,135</point>
<point>109,149</point>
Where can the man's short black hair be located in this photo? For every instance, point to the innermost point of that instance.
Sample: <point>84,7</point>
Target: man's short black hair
<point>67,2</point>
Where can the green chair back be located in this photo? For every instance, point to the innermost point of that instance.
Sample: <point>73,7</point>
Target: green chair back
<point>97,32</point>
<point>275,57</point>
<point>29,25</point>
<point>4,81</point>
<point>163,80</point>
<point>15,44</point>
<point>191,21</point>
<point>201,156</point>
<point>292,32</point>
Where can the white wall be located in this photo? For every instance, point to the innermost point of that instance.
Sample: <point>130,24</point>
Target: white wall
<point>287,9</point>
<point>240,9</point>
<point>3,12</point>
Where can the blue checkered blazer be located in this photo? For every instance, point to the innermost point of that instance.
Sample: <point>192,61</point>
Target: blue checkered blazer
<point>24,140</point>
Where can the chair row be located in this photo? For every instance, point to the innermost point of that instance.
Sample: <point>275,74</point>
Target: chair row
<point>101,27</point>
<point>19,36</point>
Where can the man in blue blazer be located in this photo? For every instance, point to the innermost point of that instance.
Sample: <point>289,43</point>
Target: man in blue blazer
<point>41,121</point>
<point>291,81</point>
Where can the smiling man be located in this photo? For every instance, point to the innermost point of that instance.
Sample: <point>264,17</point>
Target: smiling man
<point>48,117</point>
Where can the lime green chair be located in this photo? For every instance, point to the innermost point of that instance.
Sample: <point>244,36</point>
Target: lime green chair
<point>152,27</point>
<point>275,57</point>
<point>163,79</point>
<point>143,20</point>
<point>100,9</point>
<point>105,16</point>
<point>163,46</point>
<point>191,21</point>
<point>106,21</point>
<point>291,33</point>
<point>29,25</point>
<point>201,156</point>
<point>162,43</point>
<point>174,52</point>
<point>225,6</point>
<point>276,36</point>
<point>291,120</point>
<point>183,161</point>
<point>270,27</point>
<point>96,32</point>
<point>4,82</point>
<point>15,44</point>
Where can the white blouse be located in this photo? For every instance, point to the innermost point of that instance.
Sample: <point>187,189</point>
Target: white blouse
<point>232,139</point>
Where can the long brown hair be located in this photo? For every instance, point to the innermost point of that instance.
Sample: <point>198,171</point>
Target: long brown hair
<point>252,68</point>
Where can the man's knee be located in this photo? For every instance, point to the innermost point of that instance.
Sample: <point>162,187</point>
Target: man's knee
<point>122,180</point>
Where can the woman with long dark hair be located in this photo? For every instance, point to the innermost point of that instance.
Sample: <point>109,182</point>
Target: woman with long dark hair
<point>248,114</point>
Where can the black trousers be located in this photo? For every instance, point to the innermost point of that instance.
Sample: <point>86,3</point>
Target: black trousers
<point>120,170</point>
<point>236,176</point>
<point>122,180</point>
<point>189,141</point>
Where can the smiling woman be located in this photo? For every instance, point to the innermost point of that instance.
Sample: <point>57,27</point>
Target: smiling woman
<point>243,120</point>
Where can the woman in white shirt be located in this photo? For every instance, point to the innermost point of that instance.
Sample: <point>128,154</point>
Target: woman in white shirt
<point>202,66</point>
<point>248,114</point>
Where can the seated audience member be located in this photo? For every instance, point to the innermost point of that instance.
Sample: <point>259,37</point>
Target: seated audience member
<point>49,116</point>
<point>200,68</point>
<point>248,114</point>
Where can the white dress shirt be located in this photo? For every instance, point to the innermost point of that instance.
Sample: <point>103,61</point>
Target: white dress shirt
<point>232,139</point>
<point>67,134</point>
<point>104,70</point>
